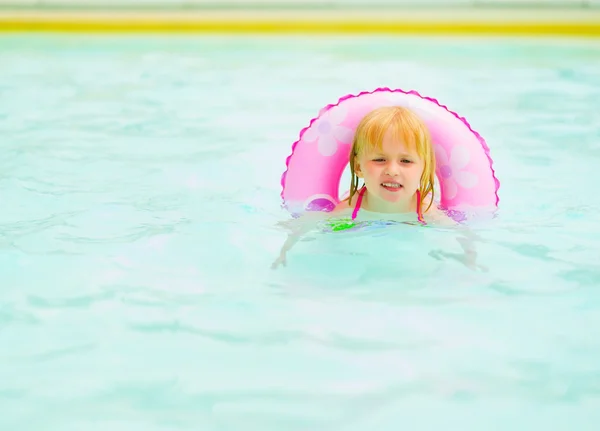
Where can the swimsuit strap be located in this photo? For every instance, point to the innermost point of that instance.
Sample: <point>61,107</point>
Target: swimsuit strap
<point>358,202</point>
<point>419,210</point>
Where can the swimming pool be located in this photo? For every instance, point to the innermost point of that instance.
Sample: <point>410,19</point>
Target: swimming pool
<point>139,180</point>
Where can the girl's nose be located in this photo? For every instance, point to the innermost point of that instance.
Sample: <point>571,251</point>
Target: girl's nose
<point>393,169</point>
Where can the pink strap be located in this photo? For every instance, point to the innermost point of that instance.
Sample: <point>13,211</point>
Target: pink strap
<point>419,213</point>
<point>358,202</point>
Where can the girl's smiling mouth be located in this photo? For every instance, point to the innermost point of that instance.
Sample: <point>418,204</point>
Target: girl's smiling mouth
<point>391,186</point>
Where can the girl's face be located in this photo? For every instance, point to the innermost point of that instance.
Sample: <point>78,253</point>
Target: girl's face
<point>391,174</point>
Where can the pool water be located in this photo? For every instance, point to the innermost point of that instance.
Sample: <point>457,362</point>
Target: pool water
<point>140,182</point>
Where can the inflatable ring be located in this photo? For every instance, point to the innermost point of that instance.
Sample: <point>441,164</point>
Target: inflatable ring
<point>314,169</point>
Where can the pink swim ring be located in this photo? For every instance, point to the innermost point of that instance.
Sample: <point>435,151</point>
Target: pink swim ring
<point>311,181</point>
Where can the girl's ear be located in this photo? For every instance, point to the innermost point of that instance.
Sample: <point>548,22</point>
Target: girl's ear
<point>357,169</point>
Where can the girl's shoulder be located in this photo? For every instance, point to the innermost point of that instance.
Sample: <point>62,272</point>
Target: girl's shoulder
<point>437,216</point>
<point>342,206</point>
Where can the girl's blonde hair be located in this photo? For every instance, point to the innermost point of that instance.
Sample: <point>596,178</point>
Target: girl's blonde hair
<point>407,127</point>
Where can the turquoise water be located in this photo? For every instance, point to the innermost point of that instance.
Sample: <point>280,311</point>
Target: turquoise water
<point>139,181</point>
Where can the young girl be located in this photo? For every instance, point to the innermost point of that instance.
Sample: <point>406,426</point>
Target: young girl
<point>392,154</point>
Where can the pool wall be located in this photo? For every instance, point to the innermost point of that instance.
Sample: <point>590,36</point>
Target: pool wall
<point>436,17</point>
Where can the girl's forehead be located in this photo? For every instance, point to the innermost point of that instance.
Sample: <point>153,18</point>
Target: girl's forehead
<point>396,146</point>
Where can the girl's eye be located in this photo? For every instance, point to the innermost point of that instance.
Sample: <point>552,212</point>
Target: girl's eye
<point>379,160</point>
<point>406,161</point>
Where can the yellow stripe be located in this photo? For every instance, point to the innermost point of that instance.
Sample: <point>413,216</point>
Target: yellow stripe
<point>304,26</point>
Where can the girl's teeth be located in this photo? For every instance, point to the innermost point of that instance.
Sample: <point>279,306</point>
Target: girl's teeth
<point>391,185</point>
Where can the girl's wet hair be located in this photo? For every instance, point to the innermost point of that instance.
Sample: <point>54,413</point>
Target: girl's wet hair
<point>406,127</point>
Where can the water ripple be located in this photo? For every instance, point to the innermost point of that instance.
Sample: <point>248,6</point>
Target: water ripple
<point>140,188</point>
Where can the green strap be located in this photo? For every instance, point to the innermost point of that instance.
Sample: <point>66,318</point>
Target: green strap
<point>338,225</point>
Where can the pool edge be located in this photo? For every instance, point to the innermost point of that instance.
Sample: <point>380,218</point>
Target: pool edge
<point>484,22</point>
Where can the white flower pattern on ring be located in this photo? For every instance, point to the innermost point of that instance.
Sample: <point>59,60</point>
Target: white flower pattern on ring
<point>328,131</point>
<point>450,169</point>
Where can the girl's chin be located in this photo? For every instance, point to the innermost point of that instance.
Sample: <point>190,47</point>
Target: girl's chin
<point>391,195</point>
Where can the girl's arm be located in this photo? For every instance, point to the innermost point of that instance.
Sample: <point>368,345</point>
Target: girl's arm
<point>466,239</point>
<point>296,228</point>
<point>467,242</point>
<point>468,258</point>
